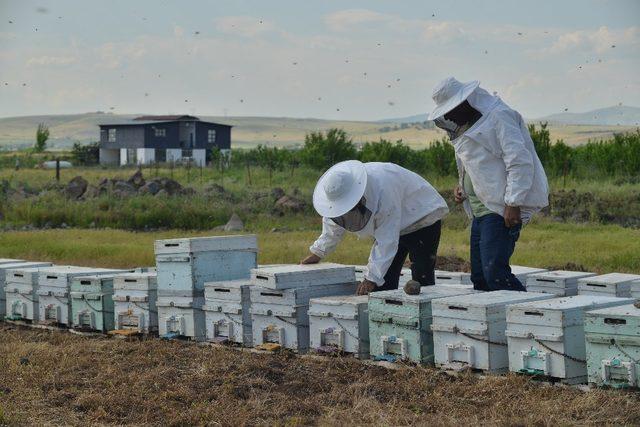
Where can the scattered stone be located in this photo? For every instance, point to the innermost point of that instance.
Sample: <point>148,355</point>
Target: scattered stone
<point>170,186</point>
<point>123,189</point>
<point>291,204</point>
<point>277,193</point>
<point>76,187</point>
<point>91,192</point>
<point>64,225</point>
<point>151,187</point>
<point>234,224</point>
<point>412,287</point>
<point>214,188</point>
<point>188,191</point>
<point>162,193</point>
<point>137,180</point>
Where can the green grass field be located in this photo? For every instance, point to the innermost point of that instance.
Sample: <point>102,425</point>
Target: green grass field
<point>595,247</point>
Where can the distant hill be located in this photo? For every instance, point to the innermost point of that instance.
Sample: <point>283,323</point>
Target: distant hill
<point>418,118</point>
<point>619,115</point>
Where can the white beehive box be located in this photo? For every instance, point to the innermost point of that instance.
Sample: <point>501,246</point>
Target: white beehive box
<point>340,323</point>
<point>299,276</point>
<point>453,278</point>
<point>522,273</point>
<point>3,270</point>
<point>469,330</point>
<point>134,297</point>
<point>53,291</point>
<point>21,285</point>
<point>613,346</point>
<point>405,274</point>
<point>547,337</point>
<point>612,284</point>
<point>186,264</point>
<point>227,312</point>
<point>559,282</point>
<point>181,316</point>
<point>279,316</point>
<point>635,289</point>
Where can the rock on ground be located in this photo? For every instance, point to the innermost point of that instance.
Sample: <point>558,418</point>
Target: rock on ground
<point>234,223</point>
<point>76,187</point>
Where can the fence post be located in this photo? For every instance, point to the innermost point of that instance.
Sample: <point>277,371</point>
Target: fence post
<point>58,169</point>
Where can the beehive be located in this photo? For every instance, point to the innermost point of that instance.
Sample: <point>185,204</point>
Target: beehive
<point>280,316</point>
<point>3,269</point>
<point>135,296</point>
<point>559,282</point>
<point>522,273</point>
<point>405,274</point>
<point>53,291</point>
<point>21,293</point>
<point>186,264</point>
<point>469,330</point>
<point>340,323</point>
<point>92,304</point>
<point>453,278</point>
<point>613,346</point>
<point>227,312</point>
<point>547,337</point>
<point>635,289</point>
<point>400,324</point>
<point>299,276</point>
<point>612,284</point>
<point>181,315</point>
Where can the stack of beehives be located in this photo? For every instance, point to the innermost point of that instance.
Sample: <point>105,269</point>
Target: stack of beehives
<point>280,301</point>
<point>184,265</point>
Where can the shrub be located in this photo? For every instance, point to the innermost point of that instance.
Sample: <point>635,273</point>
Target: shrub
<point>322,151</point>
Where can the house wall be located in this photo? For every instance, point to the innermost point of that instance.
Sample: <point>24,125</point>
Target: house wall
<point>126,137</point>
<point>223,135</point>
<point>109,156</point>
<point>146,156</point>
<point>123,156</point>
<point>171,140</point>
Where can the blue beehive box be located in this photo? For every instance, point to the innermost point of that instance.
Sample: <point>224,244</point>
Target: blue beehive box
<point>186,264</point>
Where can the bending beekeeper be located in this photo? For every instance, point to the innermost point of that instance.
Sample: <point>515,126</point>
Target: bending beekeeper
<point>501,180</point>
<point>397,207</point>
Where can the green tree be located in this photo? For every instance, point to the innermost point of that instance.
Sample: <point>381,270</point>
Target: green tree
<point>42,135</point>
<point>322,152</point>
<point>541,141</point>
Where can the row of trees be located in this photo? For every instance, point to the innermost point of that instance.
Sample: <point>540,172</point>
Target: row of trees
<point>619,156</point>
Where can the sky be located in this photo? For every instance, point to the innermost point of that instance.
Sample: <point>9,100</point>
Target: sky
<point>349,60</point>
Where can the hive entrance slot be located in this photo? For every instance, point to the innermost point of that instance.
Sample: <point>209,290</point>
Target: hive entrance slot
<point>52,277</point>
<point>171,245</point>
<point>533,313</point>
<point>392,302</point>
<point>270,294</point>
<point>130,280</point>
<point>612,321</point>
<point>545,280</point>
<point>262,277</point>
<point>443,278</point>
<point>18,275</point>
<point>597,285</point>
<point>221,290</point>
<point>85,282</point>
<point>456,307</point>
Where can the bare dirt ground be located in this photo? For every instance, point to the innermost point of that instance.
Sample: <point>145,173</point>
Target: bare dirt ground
<point>58,378</point>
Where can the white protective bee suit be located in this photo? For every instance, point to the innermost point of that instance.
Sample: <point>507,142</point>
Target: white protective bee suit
<point>400,202</point>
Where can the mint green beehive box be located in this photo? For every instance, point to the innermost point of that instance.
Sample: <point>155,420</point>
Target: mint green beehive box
<point>613,346</point>
<point>400,324</point>
<point>92,303</point>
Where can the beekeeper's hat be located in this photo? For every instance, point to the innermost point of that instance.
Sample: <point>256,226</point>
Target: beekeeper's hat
<point>450,93</point>
<point>340,188</point>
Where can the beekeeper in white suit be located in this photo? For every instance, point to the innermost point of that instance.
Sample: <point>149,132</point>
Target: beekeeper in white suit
<point>395,206</point>
<point>501,180</point>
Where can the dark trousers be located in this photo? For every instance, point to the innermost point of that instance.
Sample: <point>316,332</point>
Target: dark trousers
<point>422,247</point>
<point>492,244</point>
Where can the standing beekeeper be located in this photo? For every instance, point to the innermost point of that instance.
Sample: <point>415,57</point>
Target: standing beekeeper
<point>395,206</point>
<point>501,180</point>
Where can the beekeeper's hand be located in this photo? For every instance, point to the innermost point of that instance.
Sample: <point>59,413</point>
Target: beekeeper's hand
<point>365,287</point>
<point>458,194</point>
<point>512,216</point>
<point>311,259</point>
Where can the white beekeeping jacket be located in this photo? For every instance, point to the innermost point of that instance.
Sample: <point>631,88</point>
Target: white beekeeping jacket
<point>498,154</point>
<point>397,198</point>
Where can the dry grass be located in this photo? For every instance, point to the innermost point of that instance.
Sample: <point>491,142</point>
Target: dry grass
<point>58,378</point>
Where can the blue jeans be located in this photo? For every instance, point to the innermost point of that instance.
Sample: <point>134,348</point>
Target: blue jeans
<point>492,244</point>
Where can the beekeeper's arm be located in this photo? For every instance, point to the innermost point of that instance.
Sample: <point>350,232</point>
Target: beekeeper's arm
<point>517,159</point>
<point>385,246</point>
<point>331,235</point>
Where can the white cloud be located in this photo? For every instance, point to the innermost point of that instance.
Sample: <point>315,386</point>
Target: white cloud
<point>245,26</point>
<point>598,41</point>
<point>50,60</point>
<point>442,31</point>
<point>345,20</point>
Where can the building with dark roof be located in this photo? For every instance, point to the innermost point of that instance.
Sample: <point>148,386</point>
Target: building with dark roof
<point>150,139</point>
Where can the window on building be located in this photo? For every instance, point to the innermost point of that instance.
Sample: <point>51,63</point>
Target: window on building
<point>187,153</point>
<point>211,136</point>
<point>112,135</point>
<point>132,157</point>
<point>160,132</point>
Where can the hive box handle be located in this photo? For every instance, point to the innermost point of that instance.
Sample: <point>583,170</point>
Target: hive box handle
<point>130,280</point>
<point>597,285</point>
<point>457,307</point>
<point>270,294</point>
<point>392,302</point>
<point>170,245</point>
<point>18,274</point>
<point>533,313</point>
<point>221,290</point>
<point>612,321</point>
<point>262,278</point>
